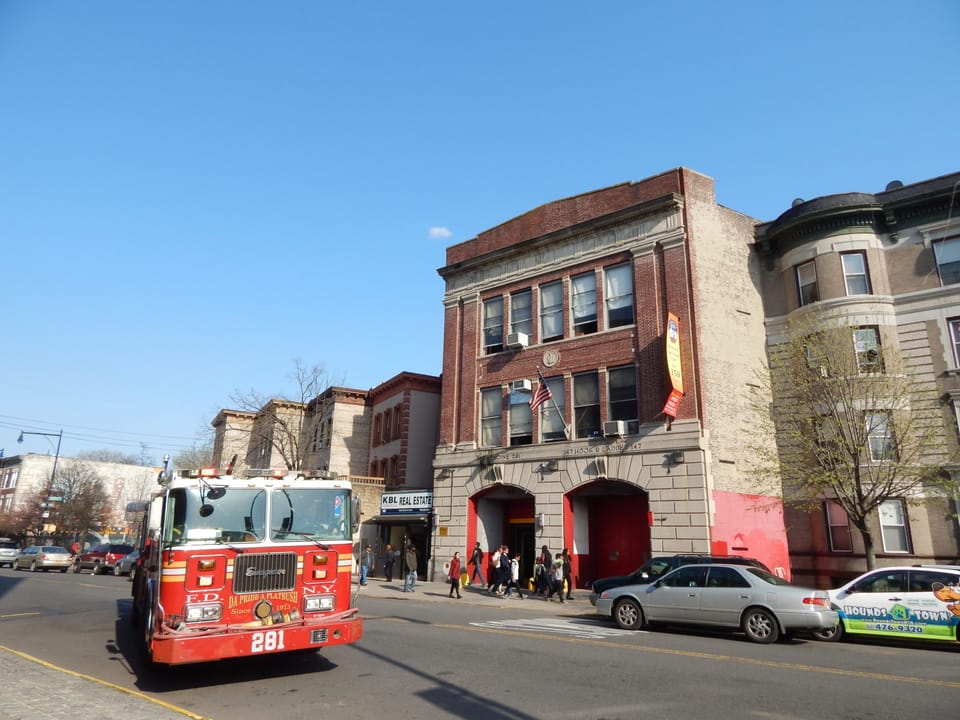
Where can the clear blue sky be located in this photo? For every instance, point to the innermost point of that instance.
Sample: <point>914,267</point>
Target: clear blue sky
<point>195,194</point>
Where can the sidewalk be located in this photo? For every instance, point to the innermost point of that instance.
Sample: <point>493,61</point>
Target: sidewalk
<point>472,595</point>
<point>45,690</point>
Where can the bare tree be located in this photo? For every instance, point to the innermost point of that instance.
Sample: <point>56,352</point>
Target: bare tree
<point>854,424</point>
<point>82,499</point>
<point>103,455</point>
<point>285,424</point>
<point>196,457</point>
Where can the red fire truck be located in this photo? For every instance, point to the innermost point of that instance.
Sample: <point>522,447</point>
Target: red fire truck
<point>236,566</point>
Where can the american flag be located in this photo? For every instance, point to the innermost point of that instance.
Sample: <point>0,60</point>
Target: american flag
<point>541,395</point>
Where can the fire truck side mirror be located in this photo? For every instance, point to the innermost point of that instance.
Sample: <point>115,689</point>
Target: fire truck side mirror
<point>355,512</point>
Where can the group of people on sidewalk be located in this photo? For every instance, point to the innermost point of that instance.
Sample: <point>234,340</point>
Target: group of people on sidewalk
<point>552,575</point>
<point>390,558</point>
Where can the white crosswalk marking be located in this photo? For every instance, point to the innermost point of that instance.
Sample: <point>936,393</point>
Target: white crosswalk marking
<point>573,627</point>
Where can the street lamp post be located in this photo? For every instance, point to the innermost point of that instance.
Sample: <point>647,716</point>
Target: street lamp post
<point>56,457</point>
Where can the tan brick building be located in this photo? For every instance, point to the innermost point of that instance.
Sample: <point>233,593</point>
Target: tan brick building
<point>889,264</point>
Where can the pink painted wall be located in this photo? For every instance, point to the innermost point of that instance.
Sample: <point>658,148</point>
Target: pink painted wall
<point>751,525</point>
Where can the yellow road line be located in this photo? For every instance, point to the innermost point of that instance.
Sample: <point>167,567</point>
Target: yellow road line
<point>134,693</point>
<point>710,656</point>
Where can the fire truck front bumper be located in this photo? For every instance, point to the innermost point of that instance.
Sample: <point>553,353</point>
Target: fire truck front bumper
<point>205,645</point>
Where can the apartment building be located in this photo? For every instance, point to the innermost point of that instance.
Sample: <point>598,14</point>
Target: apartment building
<point>638,307</point>
<point>888,265</point>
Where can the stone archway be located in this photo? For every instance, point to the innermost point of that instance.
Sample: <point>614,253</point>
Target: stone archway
<point>609,524</point>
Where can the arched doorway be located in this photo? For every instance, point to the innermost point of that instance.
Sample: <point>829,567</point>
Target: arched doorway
<point>609,523</point>
<point>504,515</point>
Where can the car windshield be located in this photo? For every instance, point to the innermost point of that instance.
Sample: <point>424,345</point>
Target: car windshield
<point>8,545</point>
<point>766,576</point>
<point>239,515</point>
<point>54,550</point>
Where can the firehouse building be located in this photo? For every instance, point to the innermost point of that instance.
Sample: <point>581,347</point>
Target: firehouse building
<point>638,307</point>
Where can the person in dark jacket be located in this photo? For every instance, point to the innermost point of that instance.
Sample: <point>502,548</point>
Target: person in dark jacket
<point>476,559</point>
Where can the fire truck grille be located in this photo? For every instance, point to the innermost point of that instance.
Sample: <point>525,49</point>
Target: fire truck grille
<point>267,572</point>
<point>318,636</point>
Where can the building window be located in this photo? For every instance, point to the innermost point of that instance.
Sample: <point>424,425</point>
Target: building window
<point>521,423</point>
<point>893,527</point>
<point>377,421</point>
<point>618,295</point>
<point>493,325</point>
<point>584,302</point>
<point>387,421</point>
<point>807,283</point>
<point>551,311</point>
<point>553,412</point>
<point>623,393</point>
<point>954,324</point>
<point>491,407</point>
<point>521,312</point>
<point>866,343</point>
<point>879,435</point>
<point>947,254</point>
<point>855,276</point>
<point>838,527</point>
<point>586,405</point>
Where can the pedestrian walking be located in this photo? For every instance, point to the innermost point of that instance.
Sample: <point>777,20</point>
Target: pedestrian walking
<point>541,571</point>
<point>503,572</point>
<point>410,560</point>
<point>476,559</point>
<point>556,578</point>
<point>567,574</point>
<point>453,574</point>
<point>494,569</point>
<point>366,564</point>
<point>388,560</point>
<point>513,581</point>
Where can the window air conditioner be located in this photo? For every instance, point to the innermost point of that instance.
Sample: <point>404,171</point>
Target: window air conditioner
<point>517,340</point>
<point>521,386</point>
<point>615,428</point>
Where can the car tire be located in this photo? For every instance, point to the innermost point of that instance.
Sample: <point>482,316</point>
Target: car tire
<point>63,570</point>
<point>75,568</point>
<point>834,634</point>
<point>33,566</point>
<point>116,571</point>
<point>761,626</point>
<point>97,569</point>
<point>628,614</point>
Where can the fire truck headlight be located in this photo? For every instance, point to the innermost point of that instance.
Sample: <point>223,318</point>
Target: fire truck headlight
<point>203,613</point>
<point>318,603</point>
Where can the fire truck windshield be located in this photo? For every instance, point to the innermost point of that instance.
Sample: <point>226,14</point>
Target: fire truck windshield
<point>239,515</point>
<point>313,513</point>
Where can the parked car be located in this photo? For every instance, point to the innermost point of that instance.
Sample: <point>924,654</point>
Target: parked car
<point>101,558</point>
<point>8,552</point>
<point>44,557</point>
<point>127,564</point>
<point>919,602</point>
<point>659,566</point>
<point>765,607</point>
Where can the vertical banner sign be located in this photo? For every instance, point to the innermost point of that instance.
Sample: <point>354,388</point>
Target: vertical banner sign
<point>673,366</point>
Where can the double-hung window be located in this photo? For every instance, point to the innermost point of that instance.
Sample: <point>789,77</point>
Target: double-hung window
<point>553,412</point>
<point>618,295</point>
<point>551,311</point>
<point>879,435</point>
<point>521,424</point>
<point>838,527</point>
<point>855,277</point>
<point>623,393</point>
<point>947,254</point>
<point>893,527</point>
<point>807,283</point>
<point>586,404</point>
<point>866,343</point>
<point>491,408</point>
<point>492,325</point>
<point>584,302</point>
<point>521,312</point>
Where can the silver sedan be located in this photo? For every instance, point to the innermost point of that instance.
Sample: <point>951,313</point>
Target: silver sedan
<point>764,606</point>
